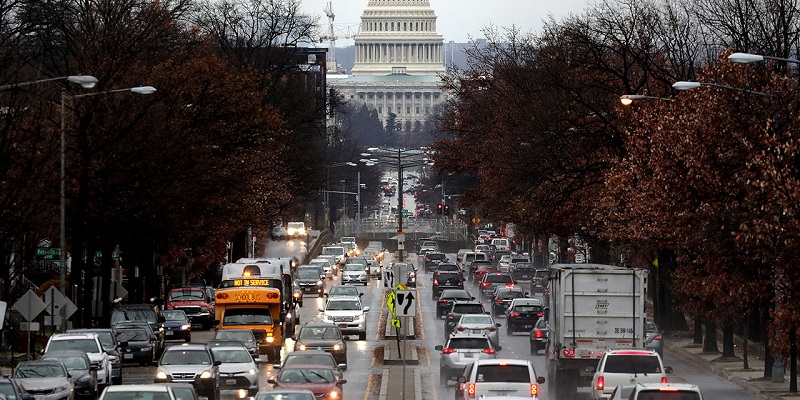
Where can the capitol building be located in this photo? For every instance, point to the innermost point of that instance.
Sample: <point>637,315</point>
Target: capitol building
<point>398,56</point>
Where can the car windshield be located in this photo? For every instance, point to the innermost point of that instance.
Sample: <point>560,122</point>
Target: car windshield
<point>306,375</point>
<point>133,335</point>
<point>321,332</point>
<point>307,273</point>
<point>245,336</point>
<point>106,338</point>
<point>332,251</point>
<point>184,393</point>
<point>671,395</point>
<point>135,394</point>
<point>336,305</point>
<point>629,364</point>
<point>499,278</point>
<point>354,267</point>
<point>298,358</point>
<point>476,319</point>
<point>455,294</point>
<point>486,267</point>
<point>469,343</point>
<point>510,294</point>
<point>187,295</point>
<point>142,315</point>
<point>71,362</point>
<point>185,357</point>
<point>247,316</point>
<point>232,356</point>
<point>86,345</point>
<point>7,390</point>
<point>436,256</point>
<point>39,370</point>
<point>504,373</point>
<point>285,396</point>
<point>468,308</point>
<point>343,290</point>
<point>174,315</point>
<point>448,267</point>
<point>528,308</point>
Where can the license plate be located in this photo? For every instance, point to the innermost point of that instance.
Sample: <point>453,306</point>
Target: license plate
<point>469,355</point>
<point>526,276</point>
<point>342,325</point>
<point>478,331</point>
<point>127,355</point>
<point>230,381</point>
<point>169,333</point>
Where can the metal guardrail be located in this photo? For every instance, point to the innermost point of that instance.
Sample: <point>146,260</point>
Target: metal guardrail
<point>453,230</point>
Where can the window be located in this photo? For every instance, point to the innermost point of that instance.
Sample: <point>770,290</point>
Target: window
<point>232,356</point>
<point>469,343</point>
<point>185,357</point>
<point>247,316</point>
<point>133,335</point>
<point>87,345</point>
<point>503,373</point>
<point>380,110</point>
<point>632,364</point>
<point>325,333</point>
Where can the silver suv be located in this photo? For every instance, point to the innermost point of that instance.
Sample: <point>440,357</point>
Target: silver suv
<point>618,367</point>
<point>190,363</point>
<point>89,343</point>
<point>666,391</point>
<point>348,314</point>
<point>499,377</point>
<point>461,349</point>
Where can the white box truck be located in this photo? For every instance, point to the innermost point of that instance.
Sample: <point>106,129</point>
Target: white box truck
<point>592,308</point>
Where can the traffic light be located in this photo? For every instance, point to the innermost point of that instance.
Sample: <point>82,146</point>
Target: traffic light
<point>439,209</point>
<point>446,209</point>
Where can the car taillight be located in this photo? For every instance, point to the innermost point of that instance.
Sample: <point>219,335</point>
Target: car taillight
<point>471,390</point>
<point>461,329</point>
<point>538,334</point>
<point>442,301</point>
<point>489,351</point>
<point>601,383</point>
<point>540,315</point>
<point>435,281</point>
<point>534,389</point>
<point>460,282</point>
<point>448,350</point>
<point>485,284</point>
<point>663,379</point>
<point>498,300</point>
<point>490,328</point>
<point>450,316</point>
<point>657,337</point>
<point>514,314</point>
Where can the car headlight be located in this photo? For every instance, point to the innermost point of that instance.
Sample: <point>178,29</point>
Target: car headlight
<point>161,375</point>
<point>334,394</point>
<point>302,347</point>
<point>359,317</point>
<point>252,371</point>
<point>326,318</point>
<point>206,374</point>
<point>85,378</point>
<point>297,295</point>
<point>186,327</point>
<point>61,388</point>
<point>270,339</point>
<point>319,283</point>
<point>148,348</point>
<point>336,347</point>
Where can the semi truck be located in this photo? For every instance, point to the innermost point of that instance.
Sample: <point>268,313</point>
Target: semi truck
<point>592,308</point>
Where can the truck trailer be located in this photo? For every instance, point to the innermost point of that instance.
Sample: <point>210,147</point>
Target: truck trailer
<point>592,308</point>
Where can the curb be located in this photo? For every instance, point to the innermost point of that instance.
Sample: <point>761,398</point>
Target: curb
<point>702,363</point>
<point>384,384</point>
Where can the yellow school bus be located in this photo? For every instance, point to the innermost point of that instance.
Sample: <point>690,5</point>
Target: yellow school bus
<point>250,304</point>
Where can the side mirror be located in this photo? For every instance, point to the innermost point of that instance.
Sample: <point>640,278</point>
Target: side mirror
<point>461,379</point>
<point>366,309</point>
<point>498,348</point>
<point>342,366</point>
<point>320,310</point>
<point>342,381</point>
<point>215,322</point>
<point>360,294</point>
<point>668,370</point>
<point>540,379</point>
<point>439,347</point>
<point>122,344</point>
<point>112,358</point>
<point>217,363</point>
<point>325,294</point>
<point>276,366</point>
<point>498,325</point>
<point>41,351</point>
<point>271,381</point>
<point>153,339</point>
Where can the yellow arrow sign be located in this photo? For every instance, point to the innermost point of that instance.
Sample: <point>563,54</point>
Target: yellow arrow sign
<point>390,301</point>
<point>399,286</point>
<point>396,322</point>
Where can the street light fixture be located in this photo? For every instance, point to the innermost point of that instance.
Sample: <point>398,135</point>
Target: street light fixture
<point>686,85</point>
<point>86,81</point>
<point>627,99</point>
<point>748,58</point>
<point>63,238</point>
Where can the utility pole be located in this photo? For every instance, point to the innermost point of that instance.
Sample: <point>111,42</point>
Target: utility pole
<point>358,204</point>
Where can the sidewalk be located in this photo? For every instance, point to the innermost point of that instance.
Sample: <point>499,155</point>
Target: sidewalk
<point>751,380</point>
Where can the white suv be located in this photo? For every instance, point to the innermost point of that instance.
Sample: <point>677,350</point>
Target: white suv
<point>88,343</point>
<point>499,377</point>
<point>618,367</point>
<point>348,314</point>
<point>666,391</point>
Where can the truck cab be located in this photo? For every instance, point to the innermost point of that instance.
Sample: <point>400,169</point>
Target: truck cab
<point>194,301</point>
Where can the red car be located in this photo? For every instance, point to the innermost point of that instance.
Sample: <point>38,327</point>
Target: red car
<point>319,379</point>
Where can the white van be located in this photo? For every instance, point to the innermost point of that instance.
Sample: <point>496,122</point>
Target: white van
<point>296,229</point>
<point>338,252</point>
<point>501,243</point>
<point>471,256</point>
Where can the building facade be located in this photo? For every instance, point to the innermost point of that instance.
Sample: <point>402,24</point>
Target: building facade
<point>398,59</point>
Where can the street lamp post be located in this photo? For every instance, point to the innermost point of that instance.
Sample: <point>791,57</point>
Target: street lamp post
<point>627,99</point>
<point>86,81</point>
<point>326,194</point>
<point>63,189</point>
<point>777,364</point>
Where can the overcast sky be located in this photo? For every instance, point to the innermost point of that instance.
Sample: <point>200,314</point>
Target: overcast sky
<point>457,20</point>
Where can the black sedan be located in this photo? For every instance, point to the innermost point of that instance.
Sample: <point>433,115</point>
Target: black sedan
<point>80,370</point>
<point>177,325</point>
<point>138,346</point>
<point>503,296</point>
<point>447,298</point>
<point>446,280</point>
<point>13,390</point>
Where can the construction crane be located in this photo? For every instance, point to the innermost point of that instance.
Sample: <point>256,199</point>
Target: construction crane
<point>331,35</point>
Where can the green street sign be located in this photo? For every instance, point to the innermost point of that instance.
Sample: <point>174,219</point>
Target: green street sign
<point>405,213</point>
<point>48,253</point>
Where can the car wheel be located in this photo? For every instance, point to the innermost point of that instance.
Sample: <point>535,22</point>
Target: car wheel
<point>187,339</point>
<point>117,381</point>
<point>509,331</point>
<point>362,336</point>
